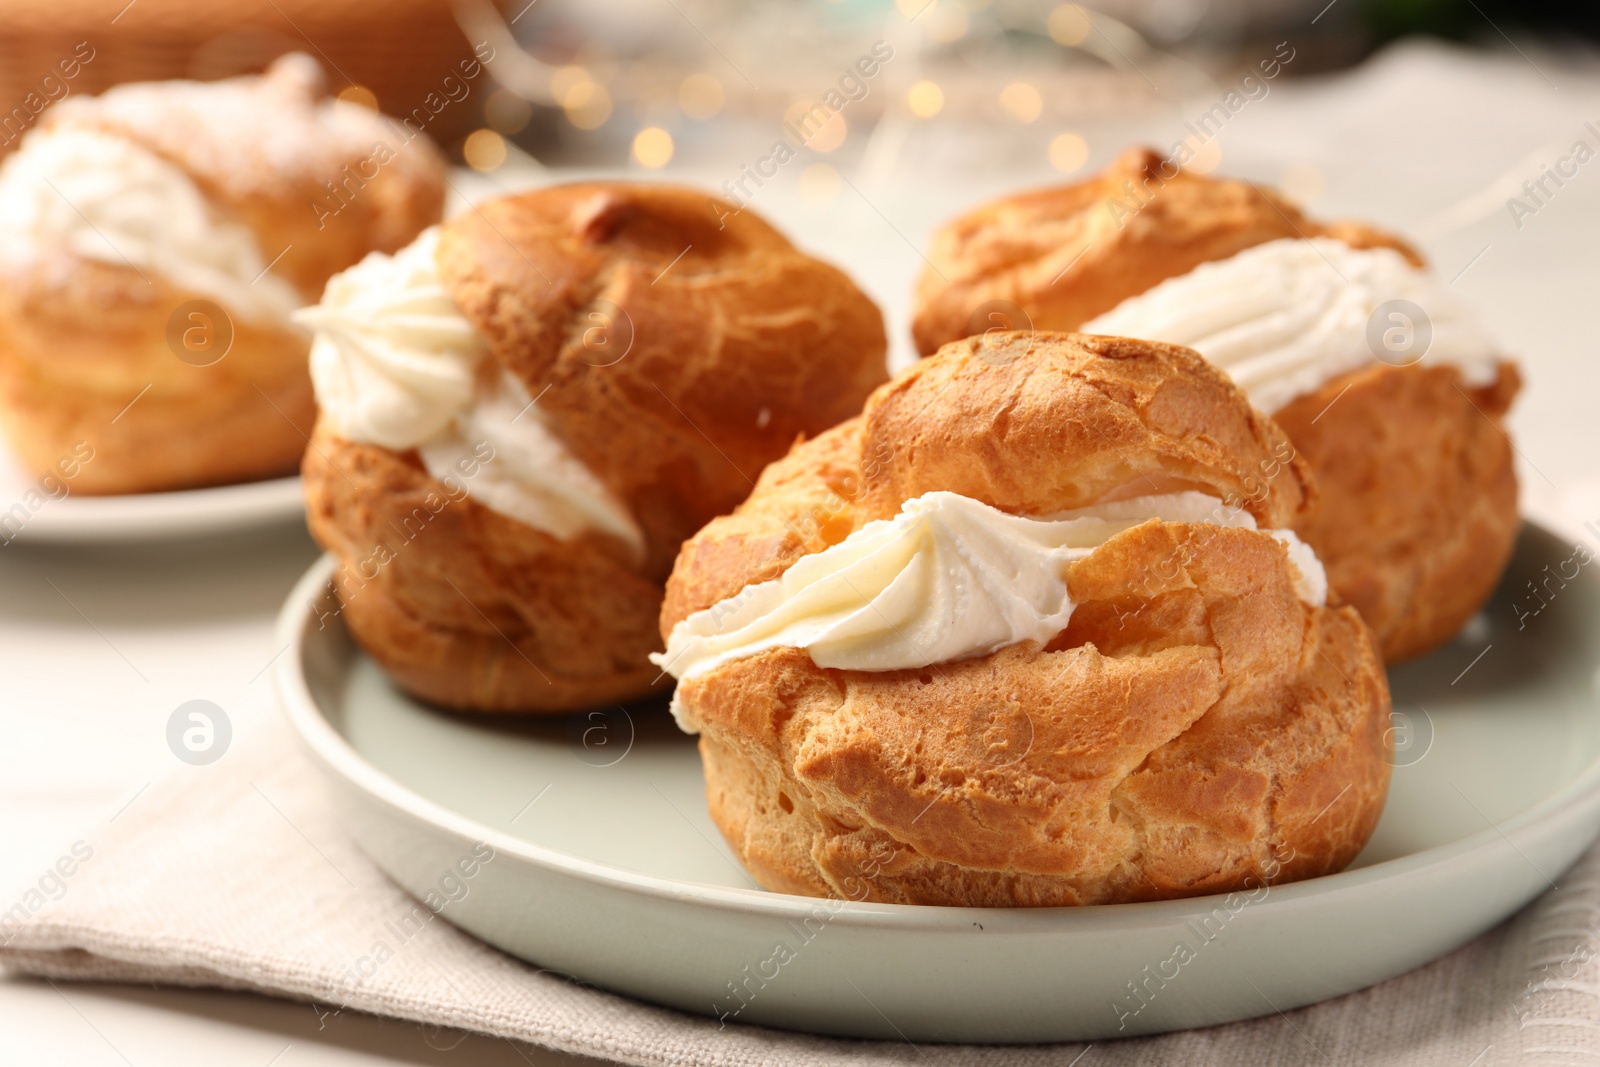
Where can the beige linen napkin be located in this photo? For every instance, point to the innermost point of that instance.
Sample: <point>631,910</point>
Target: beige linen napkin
<point>238,875</point>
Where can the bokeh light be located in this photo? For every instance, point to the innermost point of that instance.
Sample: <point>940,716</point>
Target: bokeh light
<point>484,150</point>
<point>925,99</point>
<point>564,78</point>
<point>1068,152</point>
<point>587,105</point>
<point>1022,101</point>
<point>1069,25</point>
<point>652,147</point>
<point>700,96</point>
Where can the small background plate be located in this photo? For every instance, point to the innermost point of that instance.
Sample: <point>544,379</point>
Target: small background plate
<point>79,519</point>
<point>608,867</point>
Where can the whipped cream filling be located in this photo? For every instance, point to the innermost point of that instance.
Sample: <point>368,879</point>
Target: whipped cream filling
<point>948,578</point>
<point>1286,317</point>
<point>107,199</point>
<point>395,363</point>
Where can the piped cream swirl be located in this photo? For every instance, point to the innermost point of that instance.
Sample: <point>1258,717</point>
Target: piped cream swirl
<point>1285,317</point>
<point>948,578</point>
<point>107,199</point>
<point>395,363</point>
<point>394,360</point>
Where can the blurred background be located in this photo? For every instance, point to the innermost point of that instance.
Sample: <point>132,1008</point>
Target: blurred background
<point>700,83</point>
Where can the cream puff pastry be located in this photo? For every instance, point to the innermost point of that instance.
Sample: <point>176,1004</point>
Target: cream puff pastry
<point>1379,376</point>
<point>1031,630</point>
<point>527,411</point>
<point>154,241</point>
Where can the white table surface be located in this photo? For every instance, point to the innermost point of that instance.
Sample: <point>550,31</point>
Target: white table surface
<point>98,645</point>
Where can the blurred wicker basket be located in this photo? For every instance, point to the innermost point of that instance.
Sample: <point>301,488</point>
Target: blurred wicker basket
<point>400,50</point>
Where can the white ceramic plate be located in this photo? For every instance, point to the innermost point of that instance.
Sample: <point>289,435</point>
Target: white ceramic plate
<point>607,867</point>
<point>29,513</point>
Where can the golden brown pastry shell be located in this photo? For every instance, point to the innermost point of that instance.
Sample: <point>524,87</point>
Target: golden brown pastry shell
<point>80,339</point>
<point>1065,254</point>
<point>468,608</point>
<point>674,357</point>
<point>1196,729</point>
<point>1416,515</point>
<point>85,357</point>
<point>675,352</point>
<point>1419,502</point>
<point>304,172</point>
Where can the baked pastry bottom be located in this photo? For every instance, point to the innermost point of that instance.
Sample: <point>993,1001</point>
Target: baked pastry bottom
<point>167,440</point>
<point>467,608</point>
<point>86,368</point>
<point>1197,729</point>
<point>1417,511</point>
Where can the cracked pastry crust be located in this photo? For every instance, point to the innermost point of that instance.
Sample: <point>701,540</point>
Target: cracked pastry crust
<point>466,607</point>
<point>1066,254</point>
<point>81,338</point>
<point>1418,498</point>
<point>732,344</point>
<point>1417,513</point>
<point>1197,728</point>
<point>84,358</point>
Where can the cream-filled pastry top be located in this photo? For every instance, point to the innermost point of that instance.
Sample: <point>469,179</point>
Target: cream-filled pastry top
<point>395,363</point>
<point>1285,317</point>
<point>948,578</point>
<point>105,198</point>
